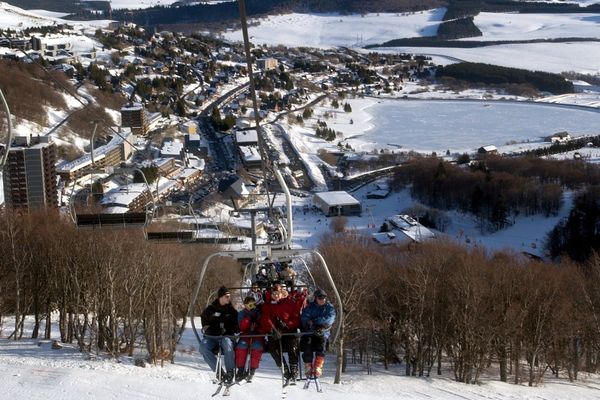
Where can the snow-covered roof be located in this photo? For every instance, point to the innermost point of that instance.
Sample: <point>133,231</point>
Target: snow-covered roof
<point>187,172</point>
<point>337,198</point>
<point>132,107</point>
<point>99,153</point>
<point>172,148</point>
<point>115,210</point>
<point>411,227</point>
<point>246,137</point>
<point>387,238</point>
<point>489,148</point>
<point>250,153</point>
<point>123,195</point>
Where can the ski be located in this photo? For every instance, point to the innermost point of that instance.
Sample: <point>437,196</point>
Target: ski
<point>284,384</point>
<point>227,390</point>
<point>218,389</point>
<point>317,383</point>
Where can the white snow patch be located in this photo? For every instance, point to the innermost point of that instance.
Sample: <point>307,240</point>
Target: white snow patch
<point>582,57</point>
<point>330,30</point>
<point>513,26</point>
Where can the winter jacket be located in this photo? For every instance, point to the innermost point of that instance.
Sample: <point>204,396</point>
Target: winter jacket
<point>315,317</point>
<point>220,320</point>
<point>283,315</point>
<point>248,321</point>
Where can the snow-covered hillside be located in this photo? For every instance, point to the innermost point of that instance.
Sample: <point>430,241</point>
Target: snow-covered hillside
<point>326,31</point>
<point>33,371</point>
<point>581,57</point>
<point>330,30</point>
<point>142,4</point>
<point>512,26</point>
<point>16,18</point>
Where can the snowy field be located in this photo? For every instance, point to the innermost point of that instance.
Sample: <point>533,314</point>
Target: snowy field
<point>142,4</point>
<point>16,18</point>
<point>582,57</point>
<point>33,371</point>
<point>512,26</point>
<point>330,30</point>
<point>326,31</point>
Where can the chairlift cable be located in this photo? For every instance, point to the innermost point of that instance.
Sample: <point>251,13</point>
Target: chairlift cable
<point>261,146</point>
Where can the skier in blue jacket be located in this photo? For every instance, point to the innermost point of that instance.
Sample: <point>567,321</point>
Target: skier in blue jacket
<point>317,317</point>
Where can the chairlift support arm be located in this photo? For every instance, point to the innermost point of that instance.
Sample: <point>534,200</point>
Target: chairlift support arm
<point>9,137</point>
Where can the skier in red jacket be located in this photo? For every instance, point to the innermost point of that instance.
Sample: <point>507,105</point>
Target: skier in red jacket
<point>281,317</point>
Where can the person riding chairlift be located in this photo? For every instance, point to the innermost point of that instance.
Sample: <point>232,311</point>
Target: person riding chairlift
<point>219,323</point>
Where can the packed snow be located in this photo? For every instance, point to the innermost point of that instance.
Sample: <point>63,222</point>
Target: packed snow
<point>330,30</point>
<point>34,371</point>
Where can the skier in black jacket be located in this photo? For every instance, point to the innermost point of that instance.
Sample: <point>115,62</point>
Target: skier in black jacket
<point>219,322</point>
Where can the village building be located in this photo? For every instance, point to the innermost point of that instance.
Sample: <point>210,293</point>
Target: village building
<point>337,203</point>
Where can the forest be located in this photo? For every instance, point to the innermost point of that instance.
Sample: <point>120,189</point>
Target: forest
<point>437,308</point>
<point>493,74</point>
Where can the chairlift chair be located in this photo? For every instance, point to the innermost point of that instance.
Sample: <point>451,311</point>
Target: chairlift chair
<point>92,217</point>
<point>169,234</point>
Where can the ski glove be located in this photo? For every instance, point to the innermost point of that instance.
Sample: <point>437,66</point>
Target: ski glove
<point>281,324</point>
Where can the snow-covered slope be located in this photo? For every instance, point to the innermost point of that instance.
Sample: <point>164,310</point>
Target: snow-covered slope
<point>581,57</point>
<point>511,26</point>
<point>33,372</point>
<point>142,4</point>
<point>16,18</point>
<point>329,30</point>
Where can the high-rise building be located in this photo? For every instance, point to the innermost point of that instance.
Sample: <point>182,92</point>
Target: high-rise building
<point>133,115</point>
<point>30,174</point>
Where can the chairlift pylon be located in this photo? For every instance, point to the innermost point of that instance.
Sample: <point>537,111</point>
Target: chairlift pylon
<point>270,252</point>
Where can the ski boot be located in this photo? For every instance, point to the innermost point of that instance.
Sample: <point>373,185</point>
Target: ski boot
<point>228,378</point>
<point>308,369</point>
<point>250,375</point>
<point>240,374</point>
<point>318,370</point>
<point>293,374</point>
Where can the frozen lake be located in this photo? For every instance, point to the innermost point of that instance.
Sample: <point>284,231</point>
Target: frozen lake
<point>459,126</point>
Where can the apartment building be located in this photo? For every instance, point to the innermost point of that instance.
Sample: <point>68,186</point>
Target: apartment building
<point>30,174</point>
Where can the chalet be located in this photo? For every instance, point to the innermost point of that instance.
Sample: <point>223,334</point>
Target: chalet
<point>488,150</point>
<point>337,203</point>
<point>405,225</point>
<point>559,137</point>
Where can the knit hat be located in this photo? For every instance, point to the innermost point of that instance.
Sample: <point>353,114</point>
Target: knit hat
<point>320,293</point>
<point>249,299</point>
<point>222,291</point>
